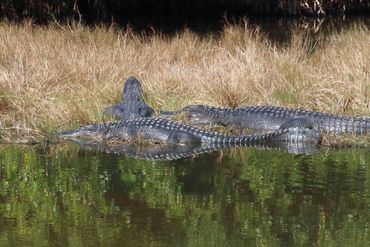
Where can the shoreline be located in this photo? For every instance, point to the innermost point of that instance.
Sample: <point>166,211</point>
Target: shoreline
<point>60,77</point>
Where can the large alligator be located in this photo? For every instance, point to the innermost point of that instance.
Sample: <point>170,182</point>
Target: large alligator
<point>171,132</point>
<point>133,104</point>
<point>273,118</point>
<point>254,117</point>
<point>173,152</point>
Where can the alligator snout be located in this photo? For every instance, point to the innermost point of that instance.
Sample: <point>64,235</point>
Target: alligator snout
<point>195,118</point>
<point>195,114</point>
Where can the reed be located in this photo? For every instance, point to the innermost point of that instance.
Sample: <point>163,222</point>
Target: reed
<point>57,77</point>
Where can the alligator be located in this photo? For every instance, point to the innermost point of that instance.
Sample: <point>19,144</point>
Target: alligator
<point>174,152</point>
<point>133,104</point>
<point>158,130</point>
<point>254,117</point>
<point>274,118</point>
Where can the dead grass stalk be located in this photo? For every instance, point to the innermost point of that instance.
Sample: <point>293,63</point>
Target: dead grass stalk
<point>56,77</point>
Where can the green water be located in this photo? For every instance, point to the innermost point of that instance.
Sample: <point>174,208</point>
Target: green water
<point>64,196</point>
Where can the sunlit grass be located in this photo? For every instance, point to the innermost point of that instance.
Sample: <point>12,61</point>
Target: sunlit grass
<point>56,77</point>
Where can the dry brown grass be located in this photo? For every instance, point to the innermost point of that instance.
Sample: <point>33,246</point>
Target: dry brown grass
<point>56,77</point>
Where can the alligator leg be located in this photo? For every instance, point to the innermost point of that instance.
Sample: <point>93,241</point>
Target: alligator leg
<point>298,122</point>
<point>179,137</point>
<point>130,110</point>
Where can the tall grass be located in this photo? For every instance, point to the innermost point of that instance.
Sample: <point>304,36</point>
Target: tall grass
<point>56,77</point>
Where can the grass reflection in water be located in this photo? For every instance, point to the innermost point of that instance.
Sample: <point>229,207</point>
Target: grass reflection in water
<point>63,195</point>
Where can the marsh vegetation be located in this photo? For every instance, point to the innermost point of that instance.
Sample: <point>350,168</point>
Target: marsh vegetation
<point>59,76</point>
<point>62,75</point>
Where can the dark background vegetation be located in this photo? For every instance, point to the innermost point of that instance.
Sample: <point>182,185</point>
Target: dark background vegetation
<point>122,10</point>
<point>170,16</point>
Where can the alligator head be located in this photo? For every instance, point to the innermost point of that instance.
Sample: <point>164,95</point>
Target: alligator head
<point>200,114</point>
<point>91,132</point>
<point>132,90</point>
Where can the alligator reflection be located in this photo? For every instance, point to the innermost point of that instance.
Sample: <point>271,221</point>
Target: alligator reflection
<point>173,152</point>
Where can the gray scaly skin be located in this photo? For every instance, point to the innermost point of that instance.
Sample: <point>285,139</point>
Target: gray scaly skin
<point>173,152</point>
<point>170,132</point>
<point>273,118</point>
<point>133,104</point>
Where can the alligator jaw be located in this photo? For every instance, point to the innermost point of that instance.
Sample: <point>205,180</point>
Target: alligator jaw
<point>196,119</point>
<point>81,134</point>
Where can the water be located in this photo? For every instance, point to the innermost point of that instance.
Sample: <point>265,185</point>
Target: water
<point>63,195</point>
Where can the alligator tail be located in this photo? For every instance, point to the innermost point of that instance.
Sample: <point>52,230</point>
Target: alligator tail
<point>291,135</point>
<point>349,125</point>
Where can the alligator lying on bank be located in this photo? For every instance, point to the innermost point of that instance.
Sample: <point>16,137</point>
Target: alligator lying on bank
<point>133,104</point>
<point>173,152</point>
<point>170,132</point>
<point>273,118</point>
<point>254,117</point>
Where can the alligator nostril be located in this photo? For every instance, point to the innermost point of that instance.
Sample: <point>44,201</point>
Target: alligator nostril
<point>192,116</point>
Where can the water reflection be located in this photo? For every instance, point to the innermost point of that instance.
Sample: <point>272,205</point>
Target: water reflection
<point>65,195</point>
<point>174,152</point>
